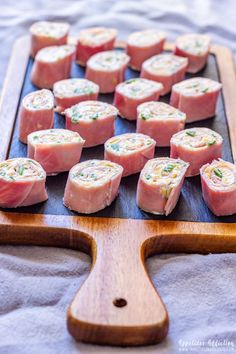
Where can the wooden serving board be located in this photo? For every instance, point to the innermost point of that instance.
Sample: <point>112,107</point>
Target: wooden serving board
<point>118,304</point>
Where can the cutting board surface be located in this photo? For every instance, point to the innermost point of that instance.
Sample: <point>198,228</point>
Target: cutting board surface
<point>190,207</point>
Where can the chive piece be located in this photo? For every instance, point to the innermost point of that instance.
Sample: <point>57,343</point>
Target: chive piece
<point>205,90</point>
<point>145,116</point>
<point>147,177</point>
<point>218,172</point>
<point>21,170</point>
<point>169,167</point>
<point>94,116</point>
<point>211,142</point>
<point>115,147</point>
<point>190,132</point>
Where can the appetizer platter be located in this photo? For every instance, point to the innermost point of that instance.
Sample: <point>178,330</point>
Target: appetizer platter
<point>121,150</point>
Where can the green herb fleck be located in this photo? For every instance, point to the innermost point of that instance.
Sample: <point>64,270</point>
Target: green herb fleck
<point>21,170</point>
<point>145,116</point>
<point>211,142</point>
<point>115,147</point>
<point>191,132</point>
<point>95,116</point>
<point>218,172</point>
<point>169,167</point>
<point>205,90</point>
<point>148,177</point>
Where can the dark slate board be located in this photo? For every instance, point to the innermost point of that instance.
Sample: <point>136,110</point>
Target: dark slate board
<point>190,207</point>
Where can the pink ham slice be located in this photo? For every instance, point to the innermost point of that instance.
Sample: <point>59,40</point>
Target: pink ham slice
<point>46,34</point>
<point>92,185</point>
<point>36,113</point>
<point>57,150</point>
<point>107,69</point>
<point>52,64</point>
<point>133,92</point>
<point>72,91</point>
<point>93,120</point>
<point>197,97</point>
<point>142,45</point>
<point>159,185</point>
<point>165,68</point>
<point>197,146</point>
<point>22,183</point>
<point>159,121</point>
<point>130,150</point>
<point>219,187</point>
<point>196,48</point>
<point>94,40</point>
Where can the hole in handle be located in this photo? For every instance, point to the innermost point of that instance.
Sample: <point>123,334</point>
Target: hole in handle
<point>120,302</point>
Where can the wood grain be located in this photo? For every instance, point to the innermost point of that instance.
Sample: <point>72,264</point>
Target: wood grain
<point>117,304</point>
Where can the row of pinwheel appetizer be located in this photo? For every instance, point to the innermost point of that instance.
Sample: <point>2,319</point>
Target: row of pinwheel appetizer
<point>93,185</point>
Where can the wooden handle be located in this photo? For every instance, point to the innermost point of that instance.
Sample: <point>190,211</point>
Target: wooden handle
<point>117,304</point>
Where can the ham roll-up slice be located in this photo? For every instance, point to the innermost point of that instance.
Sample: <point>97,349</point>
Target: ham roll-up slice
<point>52,64</point>
<point>159,121</point>
<point>160,184</point>
<point>36,113</point>
<point>131,151</point>
<point>133,92</point>
<point>165,68</point>
<point>107,69</point>
<point>197,146</point>
<point>92,41</point>
<point>22,183</point>
<point>72,91</point>
<point>218,181</point>
<point>57,150</point>
<point>93,120</point>
<point>196,48</point>
<point>46,34</point>
<point>197,97</point>
<point>142,45</point>
<point>92,185</point>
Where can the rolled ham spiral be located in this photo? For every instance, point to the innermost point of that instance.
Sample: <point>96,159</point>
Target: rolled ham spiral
<point>197,146</point>
<point>57,150</point>
<point>196,48</point>
<point>92,185</point>
<point>72,91</point>
<point>159,185</point>
<point>131,151</point>
<point>165,68</point>
<point>22,183</point>
<point>36,113</point>
<point>94,40</point>
<point>47,33</point>
<point>219,187</point>
<point>144,44</point>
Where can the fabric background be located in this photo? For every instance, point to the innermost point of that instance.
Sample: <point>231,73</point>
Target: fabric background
<point>37,284</point>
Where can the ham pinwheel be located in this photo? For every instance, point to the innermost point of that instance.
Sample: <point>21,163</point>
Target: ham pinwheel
<point>36,113</point>
<point>197,146</point>
<point>92,185</point>
<point>72,91</point>
<point>94,40</point>
<point>45,34</point>
<point>142,45</point>
<point>159,185</point>
<point>93,120</point>
<point>196,48</point>
<point>197,97</point>
<point>22,183</point>
<point>133,92</point>
<point>219,187</point>
<point>57,150</point>
<point>107,69</point>
<point>165,68</point>
<point>159,121</point>
<point>130,150</point>
<point>52,64</point>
